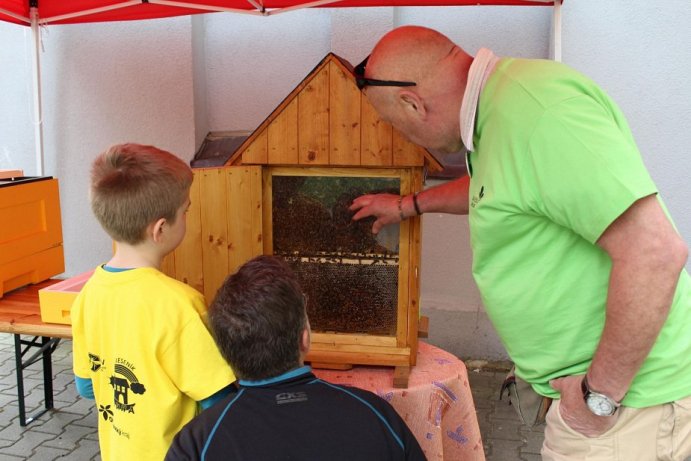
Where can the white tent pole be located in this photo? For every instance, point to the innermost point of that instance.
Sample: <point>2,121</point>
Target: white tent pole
<point>260,10</point>
<point>209,8</point>
<point>257,5</point>
<point>38,114</point>
<point>313,4</point>
<point>15,16</point>
<point>556,31</point>
<point>79,14</point>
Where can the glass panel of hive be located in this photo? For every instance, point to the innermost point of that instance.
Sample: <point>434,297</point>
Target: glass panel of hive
<point>349,275</point>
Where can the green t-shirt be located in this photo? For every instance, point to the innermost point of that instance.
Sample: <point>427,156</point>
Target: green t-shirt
<point>555,164</point>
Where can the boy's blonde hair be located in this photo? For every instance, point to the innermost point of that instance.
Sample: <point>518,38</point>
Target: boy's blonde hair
<point>133,186</point>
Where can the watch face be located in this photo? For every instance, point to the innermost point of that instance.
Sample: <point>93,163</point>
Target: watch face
<point>600,404</point>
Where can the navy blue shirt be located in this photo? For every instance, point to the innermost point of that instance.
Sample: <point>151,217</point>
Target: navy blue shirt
<point>297,416</point>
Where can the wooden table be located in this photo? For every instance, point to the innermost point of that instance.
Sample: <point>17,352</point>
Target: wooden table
<point>20,315</point>
<point>437,405</point>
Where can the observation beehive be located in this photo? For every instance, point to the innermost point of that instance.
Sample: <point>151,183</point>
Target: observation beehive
<point>286,190</point>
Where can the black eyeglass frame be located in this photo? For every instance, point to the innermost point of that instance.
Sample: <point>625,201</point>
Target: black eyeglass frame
<point>361,81</point>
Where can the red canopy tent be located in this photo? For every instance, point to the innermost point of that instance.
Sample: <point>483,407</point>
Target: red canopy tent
<point>79,11</point>
<point>35,13</point>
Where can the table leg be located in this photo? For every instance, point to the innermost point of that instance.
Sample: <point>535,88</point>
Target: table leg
<point>44,353</point>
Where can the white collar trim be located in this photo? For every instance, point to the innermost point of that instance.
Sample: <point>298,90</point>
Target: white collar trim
<point>480,69</point>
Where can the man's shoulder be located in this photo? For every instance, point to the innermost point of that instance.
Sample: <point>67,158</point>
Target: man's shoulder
<point>360,396</point>
<point>190,441</point>
<point>202,424</point>
<point>535,67</point>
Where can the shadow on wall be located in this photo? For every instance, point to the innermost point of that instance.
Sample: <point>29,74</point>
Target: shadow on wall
<point>466,334</point>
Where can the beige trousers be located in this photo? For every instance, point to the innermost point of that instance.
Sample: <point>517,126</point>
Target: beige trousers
<point>655,433</point>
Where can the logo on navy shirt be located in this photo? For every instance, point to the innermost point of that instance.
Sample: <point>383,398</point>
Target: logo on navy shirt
<point>290,397</point>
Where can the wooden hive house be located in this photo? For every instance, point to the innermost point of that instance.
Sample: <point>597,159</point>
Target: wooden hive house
<point>286,190</point>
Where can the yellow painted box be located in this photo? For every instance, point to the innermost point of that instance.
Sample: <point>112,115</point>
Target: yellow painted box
<point>30,231</point>
<point>56,300</point>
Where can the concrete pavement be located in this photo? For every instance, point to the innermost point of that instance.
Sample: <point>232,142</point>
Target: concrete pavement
<point>69,431</point>
<point>504,437</point>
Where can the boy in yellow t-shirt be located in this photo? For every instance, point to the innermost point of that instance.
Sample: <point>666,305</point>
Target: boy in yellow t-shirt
<point>141,347</point>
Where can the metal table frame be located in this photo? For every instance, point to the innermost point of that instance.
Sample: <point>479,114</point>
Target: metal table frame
<point>34,341</point>
<point>45,347</point>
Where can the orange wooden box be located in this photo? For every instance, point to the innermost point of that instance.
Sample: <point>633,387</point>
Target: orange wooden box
<point>56,300</point>
<point>30,232</point>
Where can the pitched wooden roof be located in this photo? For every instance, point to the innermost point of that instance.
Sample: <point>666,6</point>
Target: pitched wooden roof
<point>326,120</point>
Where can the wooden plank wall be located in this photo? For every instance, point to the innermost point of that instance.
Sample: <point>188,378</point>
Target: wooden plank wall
<point>313,120</point>
<point>376,137</point>
<point>415,261</point>
<point>258,152</point>
<point>283,136</point>
<point>228,223</point>
<point>344,122</point>
<point>330,122</point>
<point>224,227</point>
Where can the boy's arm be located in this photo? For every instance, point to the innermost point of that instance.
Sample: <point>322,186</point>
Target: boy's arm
<point>193,361</point>
<point>85,387</point>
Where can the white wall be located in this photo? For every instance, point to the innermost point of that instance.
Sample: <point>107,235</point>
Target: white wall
<point>16,120</point>
<point>199,77</point>
<point>167,82</point>
<point>253,62</point>
<point>642,57</point>
<point>101,85</point>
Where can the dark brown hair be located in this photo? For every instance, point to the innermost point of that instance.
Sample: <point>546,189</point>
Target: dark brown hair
<point>258,317</point>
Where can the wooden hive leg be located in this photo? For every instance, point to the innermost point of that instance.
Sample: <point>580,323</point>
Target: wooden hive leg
<point>400,377</point>
<point>423,327</point>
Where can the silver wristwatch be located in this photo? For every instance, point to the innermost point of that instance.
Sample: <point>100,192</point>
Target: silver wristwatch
<point>599,404</point>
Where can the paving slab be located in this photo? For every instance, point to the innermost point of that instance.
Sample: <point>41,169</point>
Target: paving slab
<point>504,437</point>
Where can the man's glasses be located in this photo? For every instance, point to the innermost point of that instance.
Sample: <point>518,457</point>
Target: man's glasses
<point>362,82</point>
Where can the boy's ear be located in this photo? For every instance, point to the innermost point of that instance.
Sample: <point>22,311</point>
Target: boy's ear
<point>156,230</point>
<point>412,103</point>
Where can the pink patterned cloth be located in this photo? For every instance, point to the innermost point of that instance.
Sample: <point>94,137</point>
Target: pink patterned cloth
<point>437,405</point>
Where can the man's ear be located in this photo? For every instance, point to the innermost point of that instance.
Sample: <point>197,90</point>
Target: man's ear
<point>412,102</point>
<point>155,230</point>
<point>305,340</point>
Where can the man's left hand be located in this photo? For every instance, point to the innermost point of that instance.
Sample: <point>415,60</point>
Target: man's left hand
<point>574,411</point>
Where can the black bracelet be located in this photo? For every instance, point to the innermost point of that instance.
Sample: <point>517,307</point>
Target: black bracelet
<point>417,207</point>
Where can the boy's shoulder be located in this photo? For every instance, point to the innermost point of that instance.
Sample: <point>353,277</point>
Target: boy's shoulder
<point>178,291</point>
<point>153,280</point>
<point>176,285</point>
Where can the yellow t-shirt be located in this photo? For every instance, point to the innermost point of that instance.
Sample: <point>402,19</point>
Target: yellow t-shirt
<point>140,336</point>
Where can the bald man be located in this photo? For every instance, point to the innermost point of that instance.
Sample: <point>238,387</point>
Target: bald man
<point>580,268</point>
